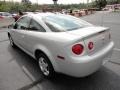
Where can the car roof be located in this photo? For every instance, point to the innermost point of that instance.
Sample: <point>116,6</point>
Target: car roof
<point>42,14</point>
<point>38,15</point>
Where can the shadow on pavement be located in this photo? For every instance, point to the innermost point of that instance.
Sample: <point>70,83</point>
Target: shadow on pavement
<point>28,65</point>
<point>104,79</point>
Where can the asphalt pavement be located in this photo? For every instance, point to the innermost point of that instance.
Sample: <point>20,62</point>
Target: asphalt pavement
<point>18,71</point>
<point>6,21</point>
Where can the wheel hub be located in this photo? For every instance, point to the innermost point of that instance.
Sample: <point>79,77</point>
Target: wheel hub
<point>44,66</point>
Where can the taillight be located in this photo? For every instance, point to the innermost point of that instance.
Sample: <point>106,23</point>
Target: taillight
<point>1,17</point>
<point>77,49</point>
<point>90,45</point>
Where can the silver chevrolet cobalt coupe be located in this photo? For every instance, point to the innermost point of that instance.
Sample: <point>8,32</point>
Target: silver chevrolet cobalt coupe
<point>62,43</point>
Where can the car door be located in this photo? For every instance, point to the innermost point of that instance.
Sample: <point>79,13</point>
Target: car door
<point>32,33</point>
<point>19,30</point>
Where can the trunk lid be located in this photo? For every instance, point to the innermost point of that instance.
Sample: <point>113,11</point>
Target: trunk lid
<point>98,35</point>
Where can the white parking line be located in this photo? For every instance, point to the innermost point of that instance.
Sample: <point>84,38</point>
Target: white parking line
<point>3,40</point>
<point>116,49</point>
<point>31,77</point>
<point>28,73</point>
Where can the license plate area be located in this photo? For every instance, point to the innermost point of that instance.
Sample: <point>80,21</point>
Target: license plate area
<point>100,40</point>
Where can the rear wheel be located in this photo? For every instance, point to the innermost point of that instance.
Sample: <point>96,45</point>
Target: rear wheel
<point>46,66</point>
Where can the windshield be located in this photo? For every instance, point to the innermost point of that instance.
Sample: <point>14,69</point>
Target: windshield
<point>58,23</point>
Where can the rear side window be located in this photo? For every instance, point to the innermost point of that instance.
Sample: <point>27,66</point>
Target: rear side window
<point>22,23</point>
<point>35,26</point>
<point>52,27</point>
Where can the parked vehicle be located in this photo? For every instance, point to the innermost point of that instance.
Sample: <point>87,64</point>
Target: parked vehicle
<point>62,43</point>
<point>5,14</point>
<point>6,19</point>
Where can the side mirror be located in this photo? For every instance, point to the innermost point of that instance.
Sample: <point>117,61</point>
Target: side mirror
<point>15,26</point>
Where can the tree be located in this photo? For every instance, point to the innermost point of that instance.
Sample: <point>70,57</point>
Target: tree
<point>26,5</point>
<point>100,3</point>
<point>113,1</point>
<point>55,1</point>
<point>26,1</point>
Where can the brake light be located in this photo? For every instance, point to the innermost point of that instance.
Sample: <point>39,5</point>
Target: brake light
<point>1,17</point>
<point>77,49</point>
<point>90,45</point>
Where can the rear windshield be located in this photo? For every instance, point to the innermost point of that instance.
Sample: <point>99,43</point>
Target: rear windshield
<point>59,23</point>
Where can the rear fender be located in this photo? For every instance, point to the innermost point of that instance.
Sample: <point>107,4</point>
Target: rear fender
<point>49,55</point>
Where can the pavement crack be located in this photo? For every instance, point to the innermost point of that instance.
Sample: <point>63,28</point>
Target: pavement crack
<point>114,62</point>
<point>116,49</point>
<point>27,87</point>
<point>31,77</point>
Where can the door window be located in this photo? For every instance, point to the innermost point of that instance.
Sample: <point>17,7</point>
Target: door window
<point>23,23</point>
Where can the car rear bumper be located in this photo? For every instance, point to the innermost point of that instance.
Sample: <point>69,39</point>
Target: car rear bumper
<point>86,65</point>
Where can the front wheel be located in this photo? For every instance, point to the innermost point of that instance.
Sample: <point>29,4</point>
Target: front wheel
<point>46,66</point>
<point>11,41</point>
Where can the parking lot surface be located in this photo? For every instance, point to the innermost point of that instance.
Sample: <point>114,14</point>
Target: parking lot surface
<point>18,71</point>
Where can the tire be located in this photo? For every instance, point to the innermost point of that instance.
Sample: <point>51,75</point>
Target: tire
<point>11,41</point>
<point>46,66</point>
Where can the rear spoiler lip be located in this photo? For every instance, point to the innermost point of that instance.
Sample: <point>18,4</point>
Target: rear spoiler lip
<point>87,36</point>
<point>104,30</point>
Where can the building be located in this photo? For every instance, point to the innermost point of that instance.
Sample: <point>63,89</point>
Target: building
<point>112,7</point>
